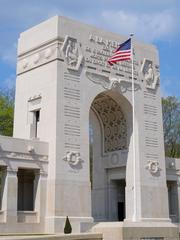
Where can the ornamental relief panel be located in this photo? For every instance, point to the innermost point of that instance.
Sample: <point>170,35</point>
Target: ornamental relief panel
<point>150,73</point>
<point>72,53</point>
<point>114,123</point>
<point>38,57</point>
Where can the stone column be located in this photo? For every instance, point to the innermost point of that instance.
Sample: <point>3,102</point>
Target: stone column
<point>40,194</point>
<point>10,193</point>
<point>37,191</point>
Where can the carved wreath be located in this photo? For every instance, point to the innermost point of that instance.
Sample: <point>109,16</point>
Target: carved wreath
<point>73,158</point>
<point>153,166</point>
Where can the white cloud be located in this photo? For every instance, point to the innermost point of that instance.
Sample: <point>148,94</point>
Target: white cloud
<point>146,26</point>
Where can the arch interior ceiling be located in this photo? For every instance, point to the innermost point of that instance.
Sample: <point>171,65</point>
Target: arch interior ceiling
<point>114,123</point>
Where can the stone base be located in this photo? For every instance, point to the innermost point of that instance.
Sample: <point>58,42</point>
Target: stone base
<point>137,230</point>
<point>82,236</point>
<point>56,224</point>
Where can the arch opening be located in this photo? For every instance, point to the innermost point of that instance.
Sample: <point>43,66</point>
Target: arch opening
<point>109,127</point>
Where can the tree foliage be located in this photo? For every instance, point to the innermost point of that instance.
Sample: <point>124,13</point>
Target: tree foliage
<point>67,227</point>
<point>6,113</point>
<point>171,124</point>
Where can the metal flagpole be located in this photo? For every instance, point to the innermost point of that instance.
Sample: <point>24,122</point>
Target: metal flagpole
<point>133,133</point>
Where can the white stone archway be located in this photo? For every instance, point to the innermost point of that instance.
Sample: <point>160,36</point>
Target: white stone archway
<point>59,74</point>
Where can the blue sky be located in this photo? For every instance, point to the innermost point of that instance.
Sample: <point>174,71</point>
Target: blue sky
<point>155,21</point>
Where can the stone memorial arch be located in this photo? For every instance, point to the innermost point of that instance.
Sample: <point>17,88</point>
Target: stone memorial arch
<point>69,97</point>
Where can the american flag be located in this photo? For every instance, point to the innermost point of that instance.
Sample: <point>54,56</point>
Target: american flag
<point>122,53</point>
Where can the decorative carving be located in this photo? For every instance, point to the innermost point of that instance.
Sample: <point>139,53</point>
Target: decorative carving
<point>36,58</point>
<point>111,82</point>
<point>25,63</point>
<point>48,53</point>
<point>150,74</point>
<point>99,79</point>
<point>23,156</point>
<point>39,56</point>
<point>30,149</point>
<point>172,164</point>
<point>72,53</point>
<point>114,123</point>
<point>35,97</point>
<point>153,166</point>
<point>73,158</point>
<point>114,159</point>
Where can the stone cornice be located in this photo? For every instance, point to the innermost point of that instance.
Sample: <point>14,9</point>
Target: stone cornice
<point>39,56</point>
<point>43,45</point>
<point>23,156</point>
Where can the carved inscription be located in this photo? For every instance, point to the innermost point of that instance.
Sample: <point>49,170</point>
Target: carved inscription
<point>151,129</point>
<point>70,111</point>
<point>72,129</point>
<point>98,52</point>
<point>151,142</point>
<point>150,109</point>
<point>151,125</point>
<point>149,95</point>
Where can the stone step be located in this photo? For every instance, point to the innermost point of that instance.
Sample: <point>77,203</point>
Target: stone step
<point>81,236</point>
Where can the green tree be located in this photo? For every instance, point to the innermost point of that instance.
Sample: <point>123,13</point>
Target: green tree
<point>6,113</point>
<point>67,227</point>
<point>171,124</point>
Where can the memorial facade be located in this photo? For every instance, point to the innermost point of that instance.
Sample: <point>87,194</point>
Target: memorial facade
<point>71,151</point>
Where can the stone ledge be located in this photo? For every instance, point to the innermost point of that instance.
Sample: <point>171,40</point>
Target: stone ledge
<point>82,236</point>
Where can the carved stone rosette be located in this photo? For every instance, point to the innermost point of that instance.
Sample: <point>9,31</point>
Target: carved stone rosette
<point>153,166</point>
<point>73,158</point>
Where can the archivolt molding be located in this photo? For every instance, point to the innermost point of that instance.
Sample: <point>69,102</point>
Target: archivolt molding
<point>114,123</point>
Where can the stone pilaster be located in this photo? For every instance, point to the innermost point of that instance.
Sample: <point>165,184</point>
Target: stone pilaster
<point>40,194</point>
<point>10,193</point>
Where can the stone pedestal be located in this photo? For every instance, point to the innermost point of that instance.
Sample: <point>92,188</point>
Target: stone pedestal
<point>137,230</point>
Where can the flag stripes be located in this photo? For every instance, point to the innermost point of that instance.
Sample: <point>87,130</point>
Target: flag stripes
<point>122,53</point>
